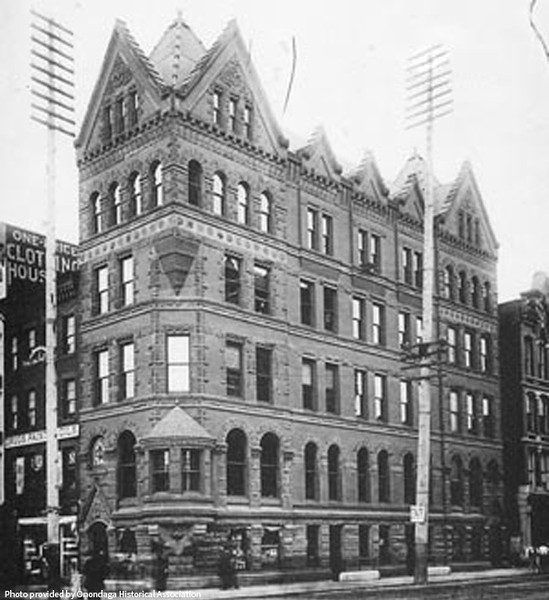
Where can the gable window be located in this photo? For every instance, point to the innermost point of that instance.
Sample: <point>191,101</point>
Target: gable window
<point>269,465</point>
<point>102,376</point>
<point>312,229</point>
<point>331,388</point>
<point>334,477</point>
<point>404,329</point>
<point>31,408</point>
<point>378,324</point>
<point>219,194</point>
<point>363,475</point>
<point>308,384</point>
<point>233,360</point>
<point>190,470</point>
<point>136,197</point>
<point>232,115</point>
<point>471,408</point>
<point>178,362</point>
<point>248,122</point>
<point>127,471</point>
<point>261,289</point>
<point>451,339</point>
<point>127,375</point>
<point>160,470</point>
<point>233,267</point>
<point>361,399</point>
<point>383,477</point>
<point>195,183</point>
<point>236,463</point>
<point>120,115</point>
<point>306,296</point>
<point>380,400</point>
<point>455,412</point>
<point>107,122</point>
<point>263,359</point>
<point>406,412</point>
<point>409,479</point>
<point>216,106</point>
<point>327,235</point>
<point>265,213</point>
<point>133,108</point>
<point>97,213</point>
<point>243,198</point>
<point>102,290</point>
<point>157,189</point>
<point>116,200</point>
<point>126,281</point>
<point>330,309</point>
<point>310,471</point>
<point>359,329</point>
<point>69,334</point>
<point>69,398</point>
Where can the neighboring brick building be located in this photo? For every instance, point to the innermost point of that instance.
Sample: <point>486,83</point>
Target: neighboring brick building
<point>23,444</point>
<point>525,406</point>
<point>244,310</point>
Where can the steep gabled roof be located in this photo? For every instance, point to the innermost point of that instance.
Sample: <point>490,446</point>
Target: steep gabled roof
<point>177,424</point>
<point>177,53</point>
<point>318,155</point>
<point>367,177</point>
<point>122,47</point>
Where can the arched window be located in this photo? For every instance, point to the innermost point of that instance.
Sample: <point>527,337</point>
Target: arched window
<point>531,412</point>
<point>363,475</point>
<point>475,483</point>
<point>116,200</point>
<point>97,213</point>
<point>236,463</point>
<point>456,482</point>
<point>195,183</point>
<point>136,198</point>
<point>311,475</point>
<point>448,283</point>
<point>475,292</point>
<point>383,477</point>
<point>529,362</point>
<point>265,213</point>
<point>487,297</point>
<point>97,452</point>
<point>243,197</point>
<point>334,485</point>
<point>157,190</point>
<point>463,287</point>
<point>219,193</point>
<point>269,466</point>
<point>409,479</point>
<point>127,480</point>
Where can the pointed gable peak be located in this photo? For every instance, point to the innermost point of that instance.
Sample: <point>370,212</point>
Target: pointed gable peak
<point>177,52</point>
<point>318,153</point>
<point>367,176</point>
<point>177,423</point>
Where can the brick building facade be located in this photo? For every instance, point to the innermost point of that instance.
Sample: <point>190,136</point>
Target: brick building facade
<point>246,310</point>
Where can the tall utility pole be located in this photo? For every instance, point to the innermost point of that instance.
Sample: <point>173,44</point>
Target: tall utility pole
<point>428,90</point>
<point>52,89</point>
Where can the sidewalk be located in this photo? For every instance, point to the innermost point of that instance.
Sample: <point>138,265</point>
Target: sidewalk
<point>306,589</point>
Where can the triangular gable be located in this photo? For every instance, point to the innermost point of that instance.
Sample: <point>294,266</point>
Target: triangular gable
<point>319,157</point>
<point>177,424</point>
<point>96,508</point>
<point>229,61</point>
<point>367,178</point>
<point>409,186</point>
<point>124,62</point>
<point>465,195</point>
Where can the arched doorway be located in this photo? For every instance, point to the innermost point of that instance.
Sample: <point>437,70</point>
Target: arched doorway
<point>97,539</point>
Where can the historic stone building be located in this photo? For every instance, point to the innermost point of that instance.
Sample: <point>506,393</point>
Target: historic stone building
<point>23,394</point>
<point>247,309</point>
<point>525,408</point>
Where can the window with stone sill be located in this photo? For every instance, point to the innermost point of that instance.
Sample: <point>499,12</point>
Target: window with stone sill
<point>311,474</point>
<point>261,289</point>
<point>269,466</point>
<point>190,470</point>
<point>160,470</point>
<point>236,463</point>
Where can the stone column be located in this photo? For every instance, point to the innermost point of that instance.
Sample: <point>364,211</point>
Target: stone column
<point>254,473</point>
<point>219,472</point>
<point>286,479</point>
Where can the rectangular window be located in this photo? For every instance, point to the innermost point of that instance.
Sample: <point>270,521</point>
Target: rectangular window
<point>407,266</point>
<point>126,281</point>
<point>361,399</point>
<point>69,334</point>
<point>178,363</point>
<point>233,358</point>
<point>455,413</point>
<point>127,375</point>
<point>232,115</point>
<point>14,353</point>
<point>263,360</point>
<point>451,339</point>
<point>190,470</point>
<point>375,252</point>
<point>107,121</point>
<point>380,401</point>
<point>261,289</point>
<point>68,473</point>
<point>359,329</point>
<point>330,309</point>
<point>160,470</point>
<point>31,340</point>
<point>308,384</point>
<point>419,330</point>
<point>102,376</point>
<point>331,389</point>
<point>312,229</point>
<point>216,108</point>
<point>404,329</point>
<point>484,357</point>
<point>487,417</point>
<point>406,413</point>
<point>101,290</point>
<point>233,267</point>
<point>378,324</point>
<point>327,235</point>
<point>31,408</point>
<point>467,349</point>
<point>418,270</point>
<point>362,242</point>
<point>248,122</point>
<point>14,413</point>
<point>69,397</point>
<point>471,413</point>
<point>306,296</point>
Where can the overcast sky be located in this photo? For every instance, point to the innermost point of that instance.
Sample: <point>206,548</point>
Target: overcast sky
<point>350,77</point>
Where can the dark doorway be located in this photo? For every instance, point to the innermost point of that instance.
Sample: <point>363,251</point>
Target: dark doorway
<point>336,559</point>
<point>98,542</point>
<point>410,548</point>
